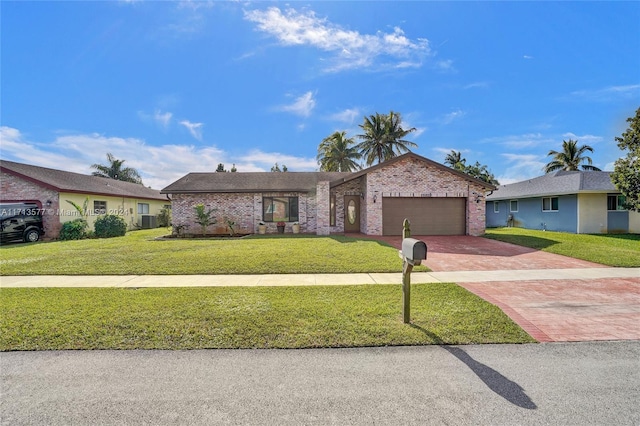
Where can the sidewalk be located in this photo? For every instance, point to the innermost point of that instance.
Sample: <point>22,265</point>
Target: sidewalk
<point>312,279</point>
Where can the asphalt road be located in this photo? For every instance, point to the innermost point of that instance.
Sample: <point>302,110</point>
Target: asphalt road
<point>554,383</point>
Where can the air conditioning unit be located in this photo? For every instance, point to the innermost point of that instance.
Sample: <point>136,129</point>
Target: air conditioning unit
<point>148,221</point>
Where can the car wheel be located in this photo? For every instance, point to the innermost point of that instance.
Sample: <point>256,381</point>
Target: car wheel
<point>31,236</point>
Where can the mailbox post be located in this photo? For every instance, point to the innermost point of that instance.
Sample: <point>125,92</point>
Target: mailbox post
<point>412,254</point>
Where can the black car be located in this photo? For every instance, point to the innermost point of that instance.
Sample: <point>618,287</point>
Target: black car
<point>20,222</point>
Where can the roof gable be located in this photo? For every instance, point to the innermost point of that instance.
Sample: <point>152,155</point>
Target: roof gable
<point>63,181</point>
<point>557,183</point>
<point>415,156</point>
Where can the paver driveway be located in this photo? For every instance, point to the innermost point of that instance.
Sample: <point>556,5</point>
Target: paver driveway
<point>549,310</point>
<point>465,253</point>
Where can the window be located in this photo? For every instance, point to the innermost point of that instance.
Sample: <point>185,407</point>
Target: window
<point>615,202</point>
<point>550,204</point>
<point>280,209</point>
<point>332,210</point>
<point>513,205</point>
<point>143,208</point>
<point>496,207</point>
<point>99,207</point>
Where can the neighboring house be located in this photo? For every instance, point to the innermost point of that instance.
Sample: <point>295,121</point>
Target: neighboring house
<point>50,189</point>
<point>578,202</point>
<point>436,199</point>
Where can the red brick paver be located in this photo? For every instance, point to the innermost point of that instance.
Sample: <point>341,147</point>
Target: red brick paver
<point>466,253</point>
<point>568,310</point>
<point>549,310</point>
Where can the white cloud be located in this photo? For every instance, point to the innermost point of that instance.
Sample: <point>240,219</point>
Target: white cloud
<point>478,84</point>
<point>608,93</point>
<point>263,161</point>
<point>528,57</point>
<point>450,117</point>
<point>520,141</point>
<point>194,128</point>
<point>521,167</point>
<point>347,116</point>
<point>445,65</point>
<point>164,119</point>
<point>416,134</point>
<point>302,106</point>
<point>158,165</point>
<point>407,125</point>
<point>582,140</point>
<point>350,49</point>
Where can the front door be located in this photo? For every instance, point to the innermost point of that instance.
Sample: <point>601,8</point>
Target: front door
<point>351,213</point>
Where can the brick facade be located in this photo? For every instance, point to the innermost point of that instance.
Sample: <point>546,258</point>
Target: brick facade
<point>408,176</point>
<point>245,209</point>
<point>14,188</point>
<point>353,187</point>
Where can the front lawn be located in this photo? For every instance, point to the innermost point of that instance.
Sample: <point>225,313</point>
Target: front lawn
<point>138,253</point>
<point>240,317</point>
<point>607,249</point>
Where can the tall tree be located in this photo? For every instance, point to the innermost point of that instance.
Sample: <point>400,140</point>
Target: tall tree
<point>220,168</point>
<point>570,158</point>
<point>335,153</point>
<point>479,171</point>
<point>626,172</point>
<point>382,137</point>
<point>455,160</point>
<point>115,170</point>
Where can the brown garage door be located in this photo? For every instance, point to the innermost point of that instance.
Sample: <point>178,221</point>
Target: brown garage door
<point>428,216</point>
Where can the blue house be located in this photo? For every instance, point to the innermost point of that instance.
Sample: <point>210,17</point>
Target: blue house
<point>578,202</point>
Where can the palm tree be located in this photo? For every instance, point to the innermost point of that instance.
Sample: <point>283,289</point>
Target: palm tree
<point>382,137</point>
<point>115,171</point>
<point>335,153</point>
<point>570,158</point>
<point>455,161</point>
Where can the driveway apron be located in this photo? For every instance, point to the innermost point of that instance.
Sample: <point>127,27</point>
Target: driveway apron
<point>549,310</point>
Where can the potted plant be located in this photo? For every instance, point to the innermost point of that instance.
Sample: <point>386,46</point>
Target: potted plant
<point>295,228</point>
<point>262,228</point>
<point>280,227</point>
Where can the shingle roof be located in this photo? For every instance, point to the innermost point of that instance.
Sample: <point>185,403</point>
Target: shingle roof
<point>282,182</point>
<point>250,182</point>
<point>556,183</point>
<point>62,181</point>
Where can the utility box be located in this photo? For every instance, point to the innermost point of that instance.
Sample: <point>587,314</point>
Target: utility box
<point>414,251</point>
<point>148,221</point>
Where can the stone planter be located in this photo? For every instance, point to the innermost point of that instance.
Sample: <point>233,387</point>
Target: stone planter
<point>262,229</point>
<point>295,228</point>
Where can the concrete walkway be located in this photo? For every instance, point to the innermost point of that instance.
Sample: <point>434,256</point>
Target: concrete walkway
<point>552,305</point>
<point>554,298</point>
<point>313,279</point>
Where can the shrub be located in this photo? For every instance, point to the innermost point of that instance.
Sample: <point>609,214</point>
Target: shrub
<point>164,217</point>
<point>73,230</point>
<point>204,217</point>
<point>110,225</point>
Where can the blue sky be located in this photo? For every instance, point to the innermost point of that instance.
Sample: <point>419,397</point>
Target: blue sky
<point>178,87</point>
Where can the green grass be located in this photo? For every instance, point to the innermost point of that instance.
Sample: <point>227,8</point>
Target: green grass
<point>139,253</point>
<point>607,249</point>
<point>239,317</point>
